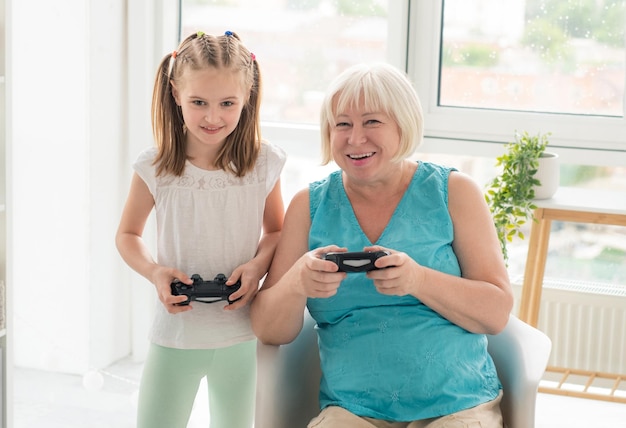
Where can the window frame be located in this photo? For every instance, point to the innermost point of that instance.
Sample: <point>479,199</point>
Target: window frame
<point>592,140</point>
<point>414,44</point>
<point>303,140</point>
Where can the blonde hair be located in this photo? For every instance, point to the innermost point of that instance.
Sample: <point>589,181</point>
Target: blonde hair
<point>199,51</point>
<point>383,88</point>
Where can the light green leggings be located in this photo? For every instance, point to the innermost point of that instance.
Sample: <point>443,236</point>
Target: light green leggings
<point>171,378</point>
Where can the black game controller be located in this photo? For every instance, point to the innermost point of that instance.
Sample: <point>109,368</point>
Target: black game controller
<point>359,261</point>
<point>201,290</point>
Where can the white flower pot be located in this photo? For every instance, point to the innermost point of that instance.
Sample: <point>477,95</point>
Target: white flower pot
<point>548,174</point>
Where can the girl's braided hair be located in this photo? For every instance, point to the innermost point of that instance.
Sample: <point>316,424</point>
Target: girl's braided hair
<point>199,51</point>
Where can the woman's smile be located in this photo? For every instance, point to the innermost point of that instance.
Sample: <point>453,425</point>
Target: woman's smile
<point>361,156</point>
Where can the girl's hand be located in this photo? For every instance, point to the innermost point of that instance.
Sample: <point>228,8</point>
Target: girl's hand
<point>249,274</point>
<point>162,279</point>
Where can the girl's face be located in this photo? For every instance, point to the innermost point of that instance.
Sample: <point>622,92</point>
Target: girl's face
<point>363,143</point>
<point>211,101</point>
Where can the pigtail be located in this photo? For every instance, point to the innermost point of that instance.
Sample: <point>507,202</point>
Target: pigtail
<point>255,95</point>
<point>167,121</point>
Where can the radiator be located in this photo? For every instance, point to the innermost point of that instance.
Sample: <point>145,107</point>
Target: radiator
<point>586,322</point>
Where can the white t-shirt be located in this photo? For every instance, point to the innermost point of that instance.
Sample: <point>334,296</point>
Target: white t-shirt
<point>208,222</point>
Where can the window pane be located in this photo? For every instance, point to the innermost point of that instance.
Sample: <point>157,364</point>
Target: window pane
<point>300,44</point>
<point>554,56</point>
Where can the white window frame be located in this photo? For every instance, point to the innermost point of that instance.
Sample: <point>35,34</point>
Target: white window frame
<point>414,46</point>
<point>303,140</point>
<point>591,140</point>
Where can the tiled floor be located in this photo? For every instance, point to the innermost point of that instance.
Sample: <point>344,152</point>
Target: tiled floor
<point>51,400</point>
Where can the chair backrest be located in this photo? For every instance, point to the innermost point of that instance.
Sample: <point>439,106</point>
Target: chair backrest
<point>289,376</point>
<point>520,353</point>
<point>288,381</point>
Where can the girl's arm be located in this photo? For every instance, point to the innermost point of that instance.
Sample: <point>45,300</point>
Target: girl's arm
<point>134,251</point>
<point>252,272</point>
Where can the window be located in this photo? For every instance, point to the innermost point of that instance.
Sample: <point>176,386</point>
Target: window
<point>301,44</point>
<point>488,68</point>
<point>541,56</point>
<point>483,69</point>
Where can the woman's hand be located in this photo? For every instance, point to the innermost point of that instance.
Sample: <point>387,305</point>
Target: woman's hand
<point>399,275</point>
<point>312,276</point>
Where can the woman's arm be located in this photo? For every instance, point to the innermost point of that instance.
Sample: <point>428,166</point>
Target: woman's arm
<point>295,274</point>
<point>487,300</point>
<point>481,299</point>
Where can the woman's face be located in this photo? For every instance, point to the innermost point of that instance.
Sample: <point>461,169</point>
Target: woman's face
<point>363,143</point>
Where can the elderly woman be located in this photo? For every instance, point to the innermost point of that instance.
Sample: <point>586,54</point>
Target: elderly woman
<point>402,345</point>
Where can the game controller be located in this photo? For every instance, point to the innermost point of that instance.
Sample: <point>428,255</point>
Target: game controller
<point>215,290</point>
<point>358,261</point>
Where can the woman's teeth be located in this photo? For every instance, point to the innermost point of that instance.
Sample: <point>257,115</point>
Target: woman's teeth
<point>361,156</point>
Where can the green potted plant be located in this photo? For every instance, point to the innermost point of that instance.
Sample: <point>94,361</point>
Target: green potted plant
<point>510,194</point>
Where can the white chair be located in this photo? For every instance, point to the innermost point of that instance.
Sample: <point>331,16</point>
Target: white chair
<point>289,376</point>
<point>520,353</point>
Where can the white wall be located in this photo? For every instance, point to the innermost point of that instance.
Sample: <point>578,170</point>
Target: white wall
<point>107,301</point>
<point>70,162</point>
<point>152,31</point>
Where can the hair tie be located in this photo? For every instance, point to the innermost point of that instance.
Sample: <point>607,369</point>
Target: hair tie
<point>199,34</point>
<point>228,33</point>
<point>174,55</point>
<point>252,56</point>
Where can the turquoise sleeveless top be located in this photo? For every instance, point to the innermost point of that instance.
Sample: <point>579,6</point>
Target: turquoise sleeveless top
<point>392,357</point>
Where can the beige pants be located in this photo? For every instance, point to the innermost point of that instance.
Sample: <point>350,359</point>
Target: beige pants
<point>486,415</point>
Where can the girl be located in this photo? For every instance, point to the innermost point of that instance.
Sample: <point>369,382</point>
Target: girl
<point>215,188</point>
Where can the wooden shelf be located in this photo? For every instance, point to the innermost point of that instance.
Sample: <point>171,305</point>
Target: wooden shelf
<point>569,384</point>
<point>572,205</point>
